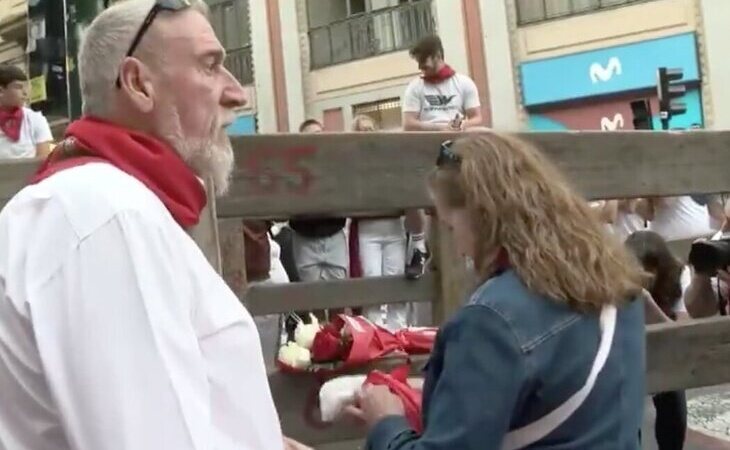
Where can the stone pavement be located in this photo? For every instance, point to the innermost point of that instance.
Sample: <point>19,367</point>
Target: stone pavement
<point>708,420</point>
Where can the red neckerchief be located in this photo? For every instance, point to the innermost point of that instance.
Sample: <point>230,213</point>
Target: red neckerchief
<point>10,121</point>
<point>443,74</point>
<point>145,158</point>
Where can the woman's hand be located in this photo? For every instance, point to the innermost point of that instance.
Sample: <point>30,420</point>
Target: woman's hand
<point>373,403</point>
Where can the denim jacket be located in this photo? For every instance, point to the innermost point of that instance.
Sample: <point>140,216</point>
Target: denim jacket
<point>508,358</point>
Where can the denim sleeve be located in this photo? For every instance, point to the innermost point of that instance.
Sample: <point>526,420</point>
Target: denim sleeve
<point>472,402</point>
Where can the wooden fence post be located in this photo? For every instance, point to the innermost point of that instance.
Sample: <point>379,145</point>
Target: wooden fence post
<point>205,233</point>
<point>233,255</point>
<point>455,279</point>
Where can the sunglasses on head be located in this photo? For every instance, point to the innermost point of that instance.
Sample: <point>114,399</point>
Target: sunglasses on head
<point>446,155</point>
<point>160,5</point>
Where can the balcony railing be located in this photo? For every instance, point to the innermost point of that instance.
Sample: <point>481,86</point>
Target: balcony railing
<point>370,34</point>
<point>240,64</point>
<point>532,11</point>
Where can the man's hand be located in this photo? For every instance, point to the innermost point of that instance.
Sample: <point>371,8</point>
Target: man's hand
<point>291,444</point>
<point>457,124</point>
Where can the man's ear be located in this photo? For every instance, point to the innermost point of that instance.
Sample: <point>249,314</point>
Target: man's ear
<point>136,83</point>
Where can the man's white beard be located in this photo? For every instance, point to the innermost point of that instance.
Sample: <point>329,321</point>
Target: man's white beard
<point>210,157</point>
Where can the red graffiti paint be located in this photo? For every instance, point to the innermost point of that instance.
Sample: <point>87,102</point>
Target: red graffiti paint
<point>279,171</point>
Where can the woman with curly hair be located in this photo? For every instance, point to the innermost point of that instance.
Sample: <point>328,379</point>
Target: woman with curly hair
<point>669,280</point>
<point>548,351</point>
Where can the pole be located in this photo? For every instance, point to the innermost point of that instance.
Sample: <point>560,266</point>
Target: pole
<point>79,14</point>
<point>47,58</point>
<point>665,120</point>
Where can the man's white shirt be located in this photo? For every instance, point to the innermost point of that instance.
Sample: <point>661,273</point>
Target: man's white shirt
<point>440,102</point>
<point>115,331</point>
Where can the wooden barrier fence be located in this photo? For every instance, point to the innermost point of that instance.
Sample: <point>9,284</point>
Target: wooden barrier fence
<point>348,175</point>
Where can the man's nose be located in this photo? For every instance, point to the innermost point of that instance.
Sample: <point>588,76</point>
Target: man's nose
<point>234,95</point>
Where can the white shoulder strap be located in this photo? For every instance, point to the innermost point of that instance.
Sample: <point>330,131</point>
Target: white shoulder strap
<point>529,434</point>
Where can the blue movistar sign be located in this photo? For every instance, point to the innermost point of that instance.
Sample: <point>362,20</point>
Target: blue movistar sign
<point>608,70</point>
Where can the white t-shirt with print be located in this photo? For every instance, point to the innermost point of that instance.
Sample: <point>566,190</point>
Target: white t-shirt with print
<point>681,218</point>
<point>439,103</point>
<point>34,130</point>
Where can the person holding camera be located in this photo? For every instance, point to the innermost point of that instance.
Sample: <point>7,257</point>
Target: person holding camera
<point>708,292</point>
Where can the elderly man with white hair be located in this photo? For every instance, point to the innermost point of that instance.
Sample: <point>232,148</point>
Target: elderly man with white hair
<point>115,332</point>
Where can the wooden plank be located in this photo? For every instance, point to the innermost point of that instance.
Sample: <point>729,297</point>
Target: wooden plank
<point>681,248</point>
<point>285,175</point>
<point>688,355</point>
<point>305,296</point>
<point>679,356</point>
<point>296,174</point>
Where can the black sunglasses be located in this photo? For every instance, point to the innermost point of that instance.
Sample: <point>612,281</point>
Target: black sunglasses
<point>446,155</point>
<point>160,5</point>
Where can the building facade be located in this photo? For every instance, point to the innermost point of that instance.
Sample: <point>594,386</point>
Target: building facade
<point>539,65</point>
<point>581,62</point>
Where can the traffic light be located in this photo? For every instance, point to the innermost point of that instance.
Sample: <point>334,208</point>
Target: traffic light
<point>670,90</point>
<point>641,112</point>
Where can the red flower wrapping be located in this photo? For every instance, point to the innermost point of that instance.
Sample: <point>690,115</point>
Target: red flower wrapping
<point>329,345</point>
<point>416,341</point>
<point>356,341</point>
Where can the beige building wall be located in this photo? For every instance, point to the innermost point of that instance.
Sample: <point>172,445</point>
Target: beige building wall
<point>263,72</point>
<point>292,46</point>
<point>498,27</point>
<point>715,15</point>
<point>12,16</point>
<point>607,28</point>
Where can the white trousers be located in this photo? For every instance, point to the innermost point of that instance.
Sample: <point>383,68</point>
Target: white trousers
<point>383,252</point>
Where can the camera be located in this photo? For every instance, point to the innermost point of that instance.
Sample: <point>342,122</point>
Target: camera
<point>708,256</point>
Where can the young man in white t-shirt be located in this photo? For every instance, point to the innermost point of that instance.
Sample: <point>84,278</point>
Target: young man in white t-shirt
<point>439,100</point>
<point>24,133</point>
<point>676,218</point>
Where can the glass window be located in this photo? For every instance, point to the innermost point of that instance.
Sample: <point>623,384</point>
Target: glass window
<point>385,113</point>
<point>529,11</point>
<point>356,7</point>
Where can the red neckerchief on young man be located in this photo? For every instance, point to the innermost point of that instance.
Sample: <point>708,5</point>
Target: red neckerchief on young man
<point>147,159</point>
<point>10,121</point>
<point>443,74</point>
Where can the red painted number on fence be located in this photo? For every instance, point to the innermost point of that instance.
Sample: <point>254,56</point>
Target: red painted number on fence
<point>279,171</point>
